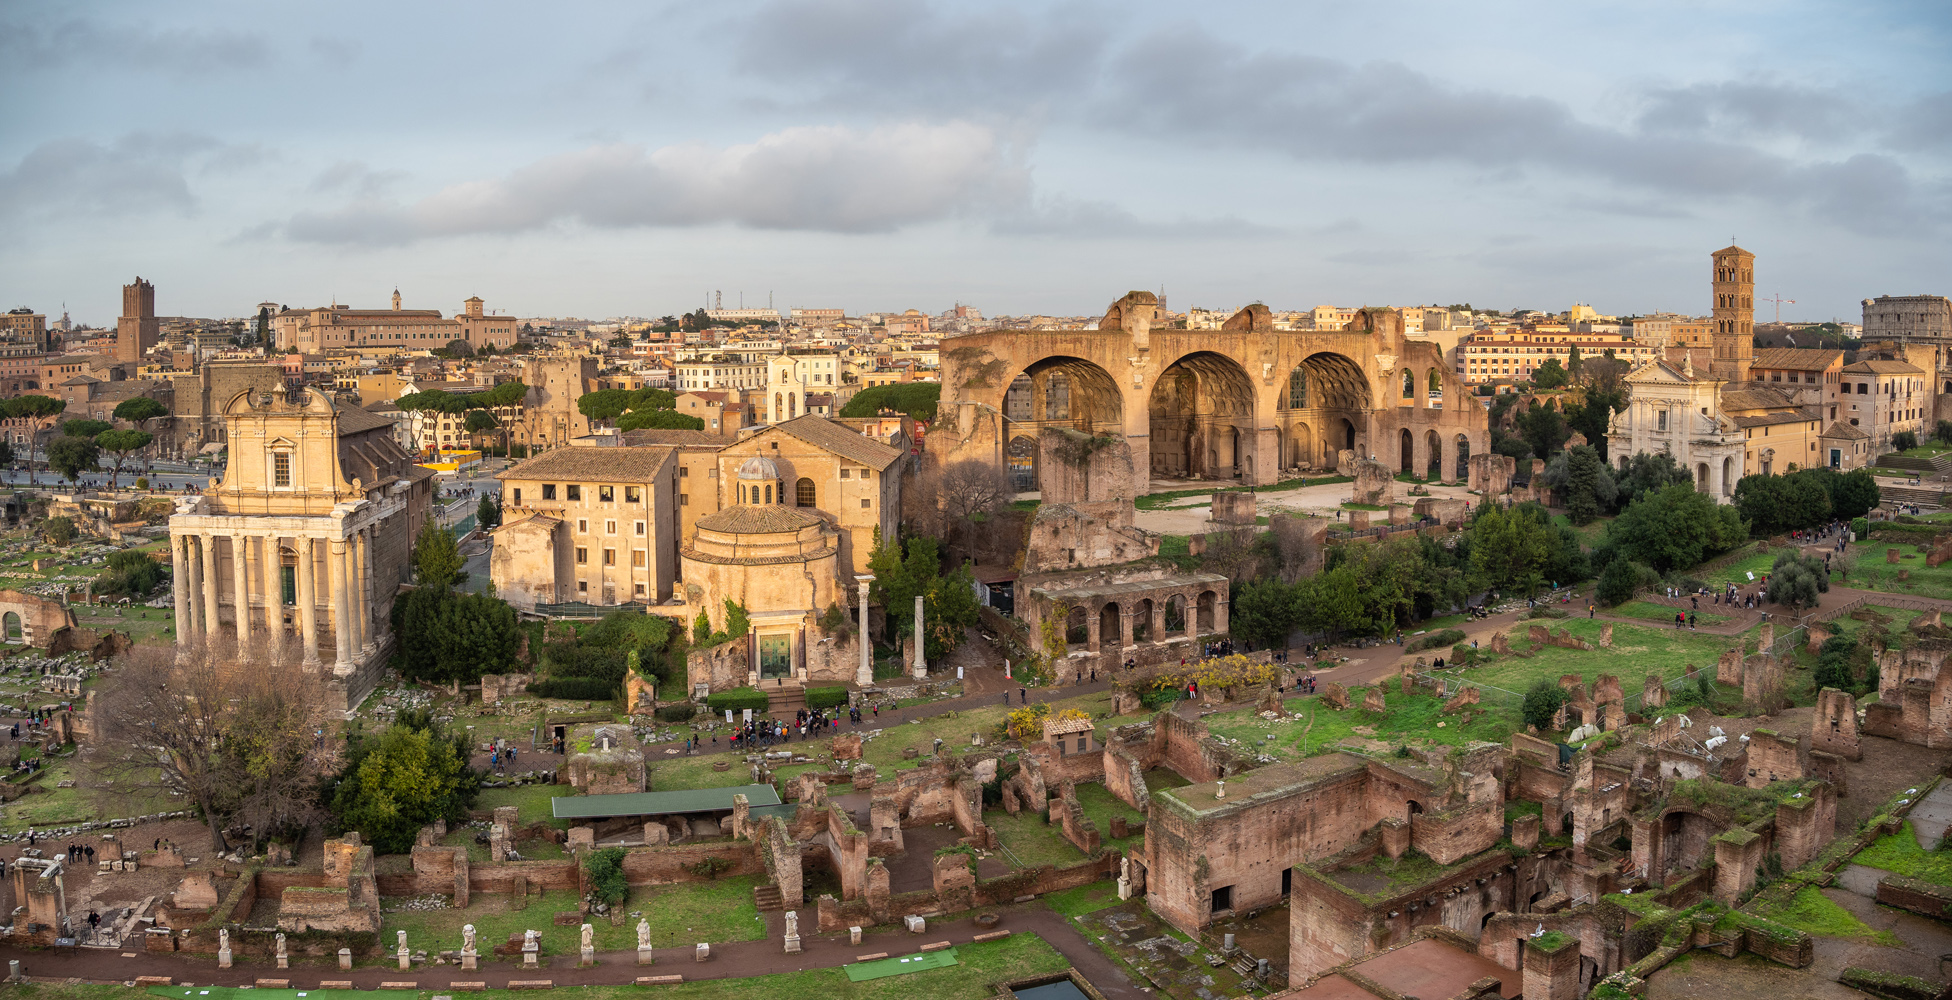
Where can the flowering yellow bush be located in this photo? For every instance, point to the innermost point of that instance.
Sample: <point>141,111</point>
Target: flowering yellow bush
<point>1026,722</point>
<point>1231,671</point>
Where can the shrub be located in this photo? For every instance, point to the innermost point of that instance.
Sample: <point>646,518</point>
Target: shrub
<point>1904,441</point>
<point>1447,637</point>
<point>1859,527</point>
<point>606,871</point>
<point>576,688</point>
<point>131,573</point>
<point>826,697</point>
<point>681,712</point>
<point>1156,698</point>
<point>58,530</point>
<point>1542,702</point>
<point>738,699</point>
<point>142,483</point>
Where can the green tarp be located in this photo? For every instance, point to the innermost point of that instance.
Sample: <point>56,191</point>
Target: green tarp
<point>880,967</point>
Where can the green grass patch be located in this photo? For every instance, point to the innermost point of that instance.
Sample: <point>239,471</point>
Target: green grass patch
<point>1084,899</point>
<point>679,915</point>
<point>1738,571</point>
<point>1637,651</point>
<point>1810,911</point>
<point>1031,841</point>
<point>1869,571</point>
<point>530,801</point>
<point>1411,718</point>
<point>1100,805</point>
<point>1352,505</point>
<point>1662,613</point>
<point>1900,854</point>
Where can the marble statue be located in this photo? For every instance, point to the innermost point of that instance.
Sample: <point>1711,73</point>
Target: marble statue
<point>643,934</point>
<point>589,937</point>
<point>467,937</point>
<point>792,923</point>
<point>403,939</point>
<point>223,939</point>
<point>281,944</point>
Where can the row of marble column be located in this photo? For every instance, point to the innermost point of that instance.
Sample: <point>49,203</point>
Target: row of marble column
<point>348,570</point>
<point>1128,621</point>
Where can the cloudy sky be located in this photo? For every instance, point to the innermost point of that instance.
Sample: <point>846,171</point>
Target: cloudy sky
<point>595,159</point>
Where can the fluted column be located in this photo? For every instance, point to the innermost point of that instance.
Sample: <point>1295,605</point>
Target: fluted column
<point>362,586</point>
<point>308,605</point>
<point>179,558</point>
<point>208,570</point>
<point>241,587</point>
<point>864,676</point>
<point>335,564</point>
<point>274,598</point>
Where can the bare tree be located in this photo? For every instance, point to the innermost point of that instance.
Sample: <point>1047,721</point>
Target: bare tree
<point>238,736</point>
<point>956,496</point>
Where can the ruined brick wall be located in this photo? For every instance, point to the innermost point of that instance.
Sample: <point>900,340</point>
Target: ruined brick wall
<point>925,795</point>
<point>1448,837</point>
<point>1833,727</point>
<point>780,855</point>
<point>1125,777</point>
<point>1074,466</point>
<point>664,865</point>
<point>1772,757</point>
<point>1045,878</point>
<point>528,876</point>
<point>1329,924</point>
<point>1078,828</point>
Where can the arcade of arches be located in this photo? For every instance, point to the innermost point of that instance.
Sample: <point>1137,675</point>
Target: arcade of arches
<point>1246,403</point>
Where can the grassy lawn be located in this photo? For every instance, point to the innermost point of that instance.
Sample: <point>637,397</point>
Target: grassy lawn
<point>1084,899</point>
<point>1869,571</point>
<point>1411,718</point>
<point>1737,571</point>
<point>1589,535</point>
<point>1662,613</point>
<point>1032,841</point>
<point>1810,911</point>
<point>1900,854</point>
<point>531,800</point>
<point>48,806</point>
<point>1352,505</point>
<point>679,915</point>
<point>1636,653</point>
<point>1100,805</point>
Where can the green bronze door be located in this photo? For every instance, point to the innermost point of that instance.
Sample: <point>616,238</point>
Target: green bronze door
<point>775,656</point>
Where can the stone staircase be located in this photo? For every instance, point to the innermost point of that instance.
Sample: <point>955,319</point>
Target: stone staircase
<point>1933,495</point>
<point>781,703</point>
<point>768,899</point>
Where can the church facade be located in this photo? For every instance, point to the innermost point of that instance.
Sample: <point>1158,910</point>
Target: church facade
<point>294,558</point>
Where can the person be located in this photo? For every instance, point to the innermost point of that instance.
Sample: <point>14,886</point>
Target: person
<point>1589,610</point>
<point>1023,696</point>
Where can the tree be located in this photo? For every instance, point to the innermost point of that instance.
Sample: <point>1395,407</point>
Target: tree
<point>664,420</point>
<point>1775,504</point>
<point>1852,494</point>
<point>917,399</point>
<point>1620,580</point>
<point>445,636</point>
<point>120,443</point>
<point>238,744</point>
<point>701,628</point>
<point>131,573</point>
<point>1798,581</point>
<point>36,408</point>
<point>488,513</point>
<point>1904,441</point>
<point>949,608</point>
<point>966,493</point>
<point>1551,375</point>
<point>72,456</point>
<point>1331,602</point>
<point>85,428</point>
<point>737,622</point>
<point>1544,429</point>
<point>1647,472</point>
<point>1847,665</point>
<point>1592,417</point>
<point>1574,363</point>
<point>58,530</point>
<point>406,777</point>
<point>139,410</point>
<point>620,340</point>
<point>1542,702</point>
<point>1511,547</point>
<point>1943,432</point>
<point>437,558</point>
<point>1589,486</point>
<point>1264,613</point>
<point>479,422</point>
<point>458,348</point>
<point>1676,528</point>
<point>608,884</point>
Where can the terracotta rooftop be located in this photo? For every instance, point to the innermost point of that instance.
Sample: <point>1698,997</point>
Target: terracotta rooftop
<point>1883,368</point>
<point>1065,727</point>
<point>1755,398</point>
<point>595,465</point>
<point>353,420</point>
<point>1807,359</point>
<point>674,436</point>
<point>1845,431</point>
<point>759,519</point>
<point>819,431</point>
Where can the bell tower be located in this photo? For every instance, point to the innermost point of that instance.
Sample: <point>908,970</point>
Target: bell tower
<point>1734,316</point>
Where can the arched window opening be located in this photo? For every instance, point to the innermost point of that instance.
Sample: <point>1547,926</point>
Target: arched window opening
<point>1409,384</point>
<point>803,495</point>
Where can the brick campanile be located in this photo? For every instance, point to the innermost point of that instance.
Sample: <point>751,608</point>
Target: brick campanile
<point>1734,326</point>
<point>136,329</point>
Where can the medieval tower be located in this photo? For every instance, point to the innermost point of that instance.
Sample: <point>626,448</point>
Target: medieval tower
<point>1734,329</point>
<point>136,328</point>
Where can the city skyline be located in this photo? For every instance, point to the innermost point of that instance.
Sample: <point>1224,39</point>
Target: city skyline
<point>597,160</point>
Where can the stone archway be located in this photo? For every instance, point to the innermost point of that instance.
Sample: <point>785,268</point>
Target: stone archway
<point>1021,456</point>
<point>1407,444</point>
<point>1142,621</point>
<point>1728,476</point>
<point>1058,391</point>
<point>1701,477</point>
<point>10,629</point>
<point>1109,632</point>
<point>1434,463</point>
<point>1206,608</point>
<point>1201,418</point>
<point>1331,392</point>
<point>1463,453</point>
<point>1177,621</point>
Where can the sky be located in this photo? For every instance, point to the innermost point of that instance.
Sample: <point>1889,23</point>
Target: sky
<point>598,159</point>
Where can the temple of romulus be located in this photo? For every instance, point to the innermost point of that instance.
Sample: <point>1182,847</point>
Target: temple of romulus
<point>1246,402</point>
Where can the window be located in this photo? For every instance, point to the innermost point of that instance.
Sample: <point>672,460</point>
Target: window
<point>582,527</point>
<point>637,558</point>
<point>864,503</point>
<point>609,557</point>
<point>281,469</point>
<point>633,494</point>
<point>606,494</point>
<point>769,492</point>
<point>518,496</point>
<point>1082,740</point>
<point>548,491</point>
<point>803,494</point>
<point>846,473</point>
<point>582,557</point>
<point>575,491</point>
<point>684,499</point>
<point>712,473</point>
<point>683,472</point>
<point>609,527</point>
<point>582,586</point>
<point>640,590</point>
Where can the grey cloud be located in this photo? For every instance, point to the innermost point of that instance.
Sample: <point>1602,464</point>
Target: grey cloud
<point>1759,110</point>
<point>1926,124</point>
<point>186,51</point>
<point>355,178</point>
<point>826,178</point>
<point>136,173</point>
<point>920,56</point>
<point>1063,215</point>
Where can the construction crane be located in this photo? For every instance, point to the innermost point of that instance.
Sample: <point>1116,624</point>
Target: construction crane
<point>1779,300</point>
